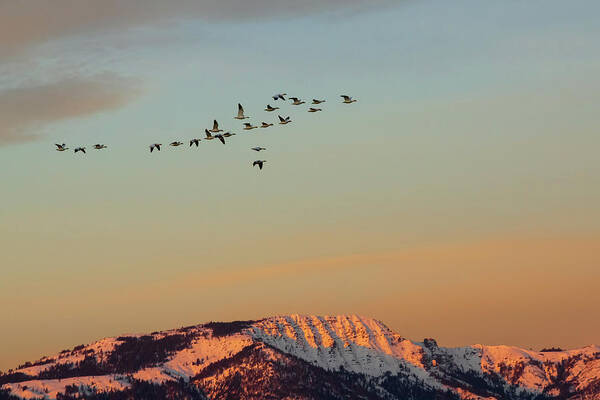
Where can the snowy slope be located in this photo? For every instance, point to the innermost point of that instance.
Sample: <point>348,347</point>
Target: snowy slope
<point>344,356</point>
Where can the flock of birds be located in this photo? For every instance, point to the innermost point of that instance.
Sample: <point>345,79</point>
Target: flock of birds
<point>217,133</point>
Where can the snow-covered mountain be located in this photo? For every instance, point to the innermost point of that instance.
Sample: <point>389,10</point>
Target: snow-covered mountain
<point>301,357</point>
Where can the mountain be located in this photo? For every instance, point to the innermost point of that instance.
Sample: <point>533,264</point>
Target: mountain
<point>301,357</point>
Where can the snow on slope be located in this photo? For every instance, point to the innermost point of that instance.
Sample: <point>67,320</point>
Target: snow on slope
<point>52,387</point>
<point>356,344</point>
<point>352,343</point>
<point>104,346</point>
<point>535,370</point>
<point>204,351</point>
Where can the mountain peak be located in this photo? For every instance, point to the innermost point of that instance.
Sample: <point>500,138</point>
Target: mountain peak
<point>341,356</point>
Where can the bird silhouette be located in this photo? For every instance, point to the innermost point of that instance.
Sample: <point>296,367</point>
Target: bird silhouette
<point>259,163</point>
<point>240,114</point>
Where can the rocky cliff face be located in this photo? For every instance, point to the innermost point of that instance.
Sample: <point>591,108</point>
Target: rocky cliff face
<point>301,357</point>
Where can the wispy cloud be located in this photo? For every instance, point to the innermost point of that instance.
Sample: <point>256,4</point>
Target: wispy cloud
<point>429,266</point>
<point>24,24</point>
<point>24,111</point>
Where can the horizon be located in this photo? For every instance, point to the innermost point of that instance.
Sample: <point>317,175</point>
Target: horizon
<point>296,316</point>
<point>456,199</point>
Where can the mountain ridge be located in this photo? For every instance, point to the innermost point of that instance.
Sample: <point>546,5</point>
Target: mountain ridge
<point>343,356</point>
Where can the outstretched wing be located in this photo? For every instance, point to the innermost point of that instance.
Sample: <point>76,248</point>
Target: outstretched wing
<point>347,98</point>
<point>240,110</point>
<point>222,139</point>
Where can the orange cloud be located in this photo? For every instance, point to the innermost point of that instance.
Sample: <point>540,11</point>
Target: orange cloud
<point>522,291</point>
<point>517,262</point>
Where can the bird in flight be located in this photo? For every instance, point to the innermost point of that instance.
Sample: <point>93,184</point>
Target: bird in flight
<point>194,141</point>
<point>348,99</point>
<point>208,135</point>
<point>265,125</point>
<point>155,146</point>
<point>258,148</point>
<point>283,121</point>
<point>228,134</point>
<point>316,101</point>
<point>248,126</point>
<point>240,114</point>
<point>61,147</point>
<point>269,108</point>
<point>215,128</point>
<point>314,109</point>
<point>280,96</point>
<point>99,146</point>
<point>296,101</point>
<point>259,163</point>
<point>82,149</point>
<point>175,144</point>
<point>220,137</point>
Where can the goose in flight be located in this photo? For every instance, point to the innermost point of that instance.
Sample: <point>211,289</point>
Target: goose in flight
<point>259,163</point>
<point>283,121</point>
<point>280,96</point>
<point>194,141</point>
<point>348,99</point>
<point>265,125</point>
<point>99,146</point>
<point>316,101</point>
<point>61,147</point>
<point>82,149</point>
<point>314,109</point>
<point>208,135</point>
<point>228,134</point>
<point>240,114</point>
<point>269,108</point>
<point>296,101</point>
<point>248,126</point>
<point>258,148</point>
<point>155,146</point>
<point>220,137</point>
<point>215,128</point>
<point>175,144</point>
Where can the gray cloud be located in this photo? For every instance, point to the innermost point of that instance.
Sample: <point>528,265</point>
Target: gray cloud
<point>25,23</point>
<point>25,110</point>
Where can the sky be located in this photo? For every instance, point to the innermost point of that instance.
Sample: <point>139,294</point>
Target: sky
<point>456,199</point>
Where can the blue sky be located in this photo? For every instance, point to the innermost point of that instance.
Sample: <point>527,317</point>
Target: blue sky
<point>475,121</point>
